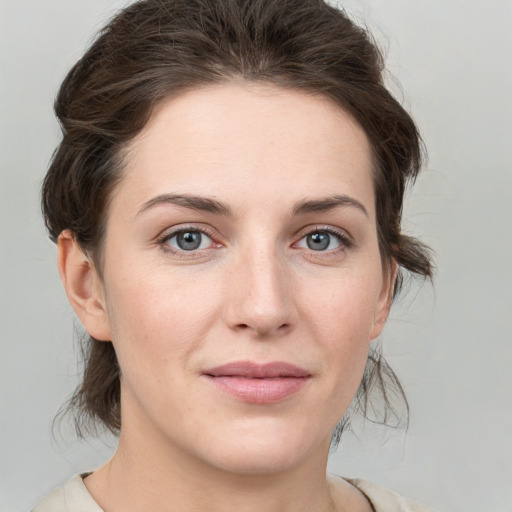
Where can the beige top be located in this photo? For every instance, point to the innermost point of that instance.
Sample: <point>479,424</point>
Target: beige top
<point>74,497</point>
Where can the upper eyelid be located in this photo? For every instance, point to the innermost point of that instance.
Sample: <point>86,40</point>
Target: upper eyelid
<point>173,234</point>
<point>169,232</point>
<point>343,233</point>
<point>345,240</point>
<point>212,233</point>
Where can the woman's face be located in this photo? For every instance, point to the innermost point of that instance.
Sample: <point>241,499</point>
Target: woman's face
<point>242,280</point>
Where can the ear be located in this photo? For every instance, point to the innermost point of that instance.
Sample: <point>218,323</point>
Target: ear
<point>83,286</point>
<point>384,300</point>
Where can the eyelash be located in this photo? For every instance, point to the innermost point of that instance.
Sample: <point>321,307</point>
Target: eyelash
<point>345,241</point>
<point>163,240</point>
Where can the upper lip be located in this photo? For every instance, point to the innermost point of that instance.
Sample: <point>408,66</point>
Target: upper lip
<point>252,370</point>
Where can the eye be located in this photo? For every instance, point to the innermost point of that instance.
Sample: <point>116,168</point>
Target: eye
<point>319,241</point>
<point>188,240</point>
<point>324,240</point>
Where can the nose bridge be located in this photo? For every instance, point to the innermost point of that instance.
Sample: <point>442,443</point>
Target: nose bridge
<point>261,299</point>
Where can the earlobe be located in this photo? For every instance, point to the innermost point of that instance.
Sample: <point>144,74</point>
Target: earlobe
<point>385,300</point>
<point>83,286</point>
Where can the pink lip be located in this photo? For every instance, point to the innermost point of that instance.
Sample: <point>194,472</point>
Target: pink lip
<point>258,383</point>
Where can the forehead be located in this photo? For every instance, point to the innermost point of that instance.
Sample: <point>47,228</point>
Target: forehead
<point>238,141</point>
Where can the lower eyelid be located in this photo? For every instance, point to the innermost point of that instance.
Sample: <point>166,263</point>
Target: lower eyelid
<point>209,240</point>
<point>163,240</point>
<point>344,241</point>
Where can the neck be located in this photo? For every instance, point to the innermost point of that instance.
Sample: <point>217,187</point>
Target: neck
<point>140,478</point>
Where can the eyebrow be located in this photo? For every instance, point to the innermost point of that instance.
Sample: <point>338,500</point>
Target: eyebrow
<point>327,204</point>
<point>203,204</point>
<point>206,204</point>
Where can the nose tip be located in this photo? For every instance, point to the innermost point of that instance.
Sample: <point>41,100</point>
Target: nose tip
<point>261,299</point>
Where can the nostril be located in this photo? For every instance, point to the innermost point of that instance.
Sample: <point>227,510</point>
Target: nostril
<point>263,330</point>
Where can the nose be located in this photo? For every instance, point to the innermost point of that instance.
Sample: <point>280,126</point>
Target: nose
<point>261,295</point>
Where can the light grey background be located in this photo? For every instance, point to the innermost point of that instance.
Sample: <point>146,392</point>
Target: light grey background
<point>451,345</point>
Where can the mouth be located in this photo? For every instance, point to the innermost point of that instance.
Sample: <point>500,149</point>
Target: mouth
<point>258,383</point>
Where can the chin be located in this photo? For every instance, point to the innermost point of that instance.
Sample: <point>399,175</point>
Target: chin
<point>250,461</point>
<point>266,449</point>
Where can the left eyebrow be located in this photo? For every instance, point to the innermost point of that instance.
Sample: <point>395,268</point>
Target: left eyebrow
<point>327,204</point>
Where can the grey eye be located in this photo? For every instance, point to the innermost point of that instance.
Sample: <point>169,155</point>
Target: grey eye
<point>189,240</point>
<point>318,241</point>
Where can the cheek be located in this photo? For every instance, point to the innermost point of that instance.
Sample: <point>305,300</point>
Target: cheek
<point>342,318</point>
<point>155,316</point>
<point>345,305</point>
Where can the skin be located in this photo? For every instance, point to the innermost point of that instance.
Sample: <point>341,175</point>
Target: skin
<point>254,290</point>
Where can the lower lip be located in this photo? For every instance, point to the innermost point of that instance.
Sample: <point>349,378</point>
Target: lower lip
<point>259,391</point>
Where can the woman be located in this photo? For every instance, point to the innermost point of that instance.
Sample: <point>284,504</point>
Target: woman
<point>226,202</point>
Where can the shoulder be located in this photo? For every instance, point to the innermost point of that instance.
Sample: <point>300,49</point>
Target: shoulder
<point>73,496</point>
<point>387,500</point>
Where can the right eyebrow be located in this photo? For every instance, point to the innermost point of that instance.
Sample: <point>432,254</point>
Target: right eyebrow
<point>203,204</point>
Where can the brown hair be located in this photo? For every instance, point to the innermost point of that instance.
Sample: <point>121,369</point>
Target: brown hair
<point>156,49</point>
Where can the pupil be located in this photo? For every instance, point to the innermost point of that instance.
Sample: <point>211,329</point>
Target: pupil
<point>318,241</point>
<point>189,240</point>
